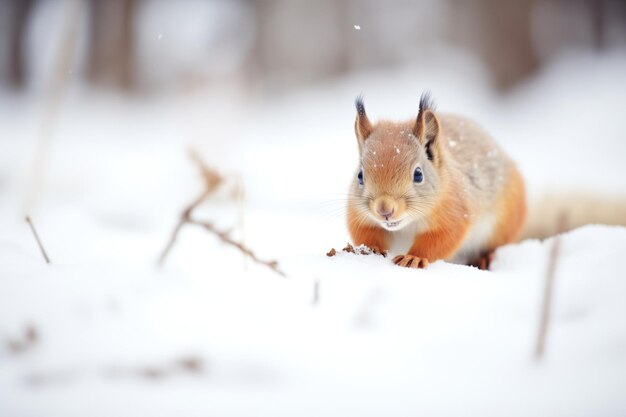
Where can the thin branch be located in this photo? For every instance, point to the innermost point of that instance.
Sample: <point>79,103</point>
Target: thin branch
<point>316,292</point>
<point>41,248</point>
<point>212,180</point>
<point>225,238</point>
<point>240,196</point>
<point>171,242</point>
<point>544,320</point>
<point>184,218</point>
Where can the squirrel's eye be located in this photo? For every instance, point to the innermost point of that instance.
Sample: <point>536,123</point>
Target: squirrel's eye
<point>360,177</point>
<point>418,176</point>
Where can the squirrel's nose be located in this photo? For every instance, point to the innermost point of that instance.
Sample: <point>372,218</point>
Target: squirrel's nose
<point>385,206</point>
<point>386,213</point>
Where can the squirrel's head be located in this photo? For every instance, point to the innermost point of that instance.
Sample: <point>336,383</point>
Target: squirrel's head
<point>399,177</point>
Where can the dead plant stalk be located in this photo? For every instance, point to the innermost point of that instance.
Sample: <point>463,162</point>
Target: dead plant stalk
<point>41,248</point>
<point>212,180</point>
<point>544,320</point>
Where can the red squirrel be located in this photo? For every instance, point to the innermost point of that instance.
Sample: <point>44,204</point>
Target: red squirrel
<point>436,187</point>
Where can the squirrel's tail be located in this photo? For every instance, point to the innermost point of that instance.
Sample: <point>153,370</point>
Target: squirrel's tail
<point>579,209</point>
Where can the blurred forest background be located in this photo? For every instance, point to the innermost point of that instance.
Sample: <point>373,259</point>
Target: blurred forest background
<point>272,46</point>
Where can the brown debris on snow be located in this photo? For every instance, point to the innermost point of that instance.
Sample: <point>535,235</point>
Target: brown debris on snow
<point>349,248</point>
<point>359,250</point>
<point>376,251</point>
<point>26,341</point>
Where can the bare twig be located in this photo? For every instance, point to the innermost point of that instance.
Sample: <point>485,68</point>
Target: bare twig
<point>225,238</point>
<point>171,242</point>
<point>41,248</point>
<point>184,218</point>
<point>316,292</point>
<point>212,180</point>
<point>544,320</point>
<point>240,196</point>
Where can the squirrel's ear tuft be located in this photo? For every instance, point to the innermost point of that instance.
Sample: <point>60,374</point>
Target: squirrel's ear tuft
<point>426,101</point>
<point>362,125</point>
<point>426,126</point>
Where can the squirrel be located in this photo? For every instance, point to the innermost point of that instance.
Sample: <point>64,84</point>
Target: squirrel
<point>436,187</point>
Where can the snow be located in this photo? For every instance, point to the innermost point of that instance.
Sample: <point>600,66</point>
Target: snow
<point>211,333</point>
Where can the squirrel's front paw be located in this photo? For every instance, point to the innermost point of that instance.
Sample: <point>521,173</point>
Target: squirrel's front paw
<point>410,261</point>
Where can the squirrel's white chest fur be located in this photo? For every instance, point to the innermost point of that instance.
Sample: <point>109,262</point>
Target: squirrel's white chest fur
<point>401,240</point>
<point>475,242</point>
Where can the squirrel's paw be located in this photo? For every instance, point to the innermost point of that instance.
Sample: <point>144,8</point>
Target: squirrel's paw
<point>484,262</point>
<point>410,261</point>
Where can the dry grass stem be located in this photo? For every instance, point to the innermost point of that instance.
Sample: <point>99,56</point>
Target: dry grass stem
<point>544,320</point>
<point>225,238</point>
<point>240,196</point>
<point>184,218</point>
<point>41,248</point>
<point>316,292</point>
<point>212,181</point>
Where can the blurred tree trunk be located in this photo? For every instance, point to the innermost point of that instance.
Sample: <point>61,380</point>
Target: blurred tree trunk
<point>598,8</point>
<point>262,12</point>
<point>298,42</point>
<point>501,33</point>
<point>343,9</point>
<point>18,12</point>
<point>111,43</point>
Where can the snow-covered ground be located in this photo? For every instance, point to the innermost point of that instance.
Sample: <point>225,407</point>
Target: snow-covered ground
<point>211,333</point>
